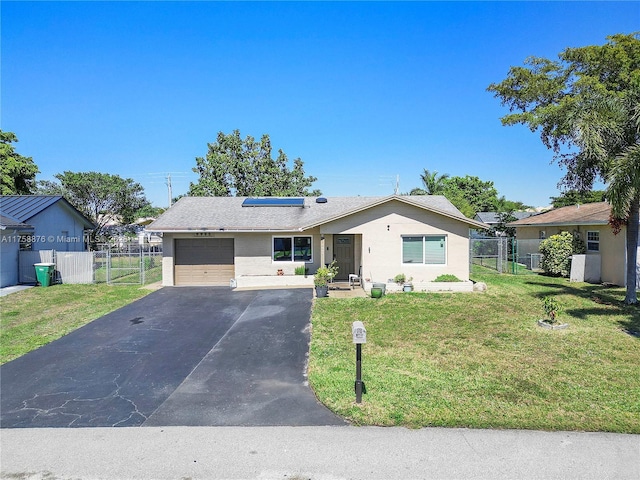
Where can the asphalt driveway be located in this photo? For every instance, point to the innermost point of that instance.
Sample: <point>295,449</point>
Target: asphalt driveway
<point>195,356</point>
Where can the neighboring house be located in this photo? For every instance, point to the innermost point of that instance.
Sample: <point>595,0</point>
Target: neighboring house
<point>11,231</point>
<point>261,241</point>
<point>492,219</point>
<point>37,222</point>
<point>590,222</point>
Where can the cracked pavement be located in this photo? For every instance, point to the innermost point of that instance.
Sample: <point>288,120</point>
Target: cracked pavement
<point>179,356</point>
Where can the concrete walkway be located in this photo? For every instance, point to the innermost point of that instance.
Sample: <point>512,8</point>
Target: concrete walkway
<point>316,453</point>
<point>4,291</point>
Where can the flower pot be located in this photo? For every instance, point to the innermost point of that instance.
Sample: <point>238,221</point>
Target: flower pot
<point>322,291</point>
<point>407,288</point>
<point>376,292</point>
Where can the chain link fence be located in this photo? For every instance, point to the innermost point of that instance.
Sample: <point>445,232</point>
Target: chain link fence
<point>128,265</point>
<point>504,255</point>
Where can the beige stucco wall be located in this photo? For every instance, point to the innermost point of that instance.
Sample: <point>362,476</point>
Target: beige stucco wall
<point>612,247</point>
<point>377,245</point>
<point>252,253</point>
<point>380,232</point>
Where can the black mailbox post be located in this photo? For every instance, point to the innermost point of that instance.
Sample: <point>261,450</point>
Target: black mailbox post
<point>359,337</point>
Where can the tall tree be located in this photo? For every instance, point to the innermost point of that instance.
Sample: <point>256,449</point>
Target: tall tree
<point>472,193</point>
<point>434,184</point>
<point>510,206</point>
<point>234,166</point>
<point>586,106</point>
<point>17,173</point>
<point>102,196</point>
<point>469,194</point>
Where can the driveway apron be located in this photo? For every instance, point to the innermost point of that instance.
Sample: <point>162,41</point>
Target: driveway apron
<point>179,356</point>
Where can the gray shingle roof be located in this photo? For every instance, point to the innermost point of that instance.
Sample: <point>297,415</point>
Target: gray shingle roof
<point>227,213</point>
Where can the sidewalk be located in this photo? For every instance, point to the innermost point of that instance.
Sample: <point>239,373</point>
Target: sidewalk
<point>318,453</point>
<point>4,291</point>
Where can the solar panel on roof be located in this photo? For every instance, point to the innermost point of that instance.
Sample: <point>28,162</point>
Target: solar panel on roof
<point>273,202</point>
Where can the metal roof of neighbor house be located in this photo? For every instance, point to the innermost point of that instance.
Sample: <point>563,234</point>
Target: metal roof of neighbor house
<point>586,214</point>
<point>492,217</point>
<point>227,213</point>
<point>24,207</point>
<point>7,222</point>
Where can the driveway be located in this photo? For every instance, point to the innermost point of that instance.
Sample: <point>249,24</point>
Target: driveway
<point>179,356</point>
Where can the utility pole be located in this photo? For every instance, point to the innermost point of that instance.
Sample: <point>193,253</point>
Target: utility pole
<point>169,188</point>
<point>397,189</point>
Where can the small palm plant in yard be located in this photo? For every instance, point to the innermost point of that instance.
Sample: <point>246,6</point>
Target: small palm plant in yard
<point>551,308</point>
<point>479,359</point>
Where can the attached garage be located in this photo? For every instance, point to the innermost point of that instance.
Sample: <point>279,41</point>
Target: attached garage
<point>204,261</point>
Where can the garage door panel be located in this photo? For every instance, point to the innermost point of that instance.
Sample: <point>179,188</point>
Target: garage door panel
<point>204,261</point>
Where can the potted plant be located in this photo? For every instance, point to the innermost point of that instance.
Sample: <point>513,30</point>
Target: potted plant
<point>400,278</point>
<point>322,278</point>
<point>552,310</point>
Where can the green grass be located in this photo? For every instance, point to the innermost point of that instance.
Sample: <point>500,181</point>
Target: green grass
<point>34,317</point>
<point>479,360</point>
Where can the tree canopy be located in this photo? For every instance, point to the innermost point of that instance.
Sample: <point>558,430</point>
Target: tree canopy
<point>17,173</point>
<point>575,197</point>
<point>234,166</point>
<point>99,196</point>
<point>586,107</point>
<point>469,194</point>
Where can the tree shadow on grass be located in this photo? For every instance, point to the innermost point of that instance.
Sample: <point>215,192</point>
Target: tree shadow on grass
<point>606,301</point>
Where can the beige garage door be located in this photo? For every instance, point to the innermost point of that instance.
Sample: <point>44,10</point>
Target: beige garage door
<point>204,261</point>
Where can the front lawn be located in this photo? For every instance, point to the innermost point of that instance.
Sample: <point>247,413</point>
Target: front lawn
<point>34,317</point>
<point>479,360</point>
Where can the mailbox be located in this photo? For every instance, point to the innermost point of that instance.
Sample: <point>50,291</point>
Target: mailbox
<point>359,332</point>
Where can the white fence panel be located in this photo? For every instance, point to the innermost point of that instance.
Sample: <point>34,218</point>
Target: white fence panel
<point>75,267</point>
<point>26,259</point>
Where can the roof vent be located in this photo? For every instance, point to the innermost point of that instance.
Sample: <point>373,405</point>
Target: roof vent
<point>321,200</point>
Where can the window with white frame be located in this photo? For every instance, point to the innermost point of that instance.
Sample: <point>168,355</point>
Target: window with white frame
<point>424,249</point>
<point>292,249</point>
<point>593,241</point>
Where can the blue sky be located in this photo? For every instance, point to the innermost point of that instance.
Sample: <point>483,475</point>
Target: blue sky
<point>362,92</point>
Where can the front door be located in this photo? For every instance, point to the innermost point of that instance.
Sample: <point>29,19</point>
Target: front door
<point>343,255</point>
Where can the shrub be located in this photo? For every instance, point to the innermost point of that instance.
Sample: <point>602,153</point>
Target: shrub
<point>447,278</point>
<point>301,270</point>
<point>551,308</point>
<point>400,278</point>
<point>325,274</point>
<point>557,251</point>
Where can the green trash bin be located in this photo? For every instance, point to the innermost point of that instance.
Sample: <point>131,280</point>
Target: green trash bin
<point>44,273</point>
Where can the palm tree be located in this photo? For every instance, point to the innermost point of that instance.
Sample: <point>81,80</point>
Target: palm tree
<point>433,183</point>
<point>623,193</point>
<point>608,127</point>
